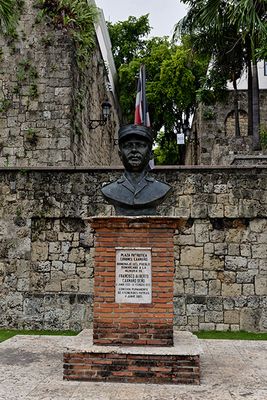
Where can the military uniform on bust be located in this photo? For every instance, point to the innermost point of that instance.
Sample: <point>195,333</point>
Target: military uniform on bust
<point>136,192</point>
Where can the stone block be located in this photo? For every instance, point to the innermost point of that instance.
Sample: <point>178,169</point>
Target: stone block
<point>76,255</point>
<point>23,284</point>
<point>85,285</point>
<point>245,250</point>
<point>206,326</point>
<point>189,286</point>
<point>228,304</point>
<point>69,268</point>
<point>258,225</point>
<point>249,319</point>
<point>178,287</point>
<point>196,274</point>
<point>179,305</point>
<point>261,285</point>
<point>53,286</point>
<point>246,276</point>
<point>209,248</point>
<point>201,288</point>
<point>232,317</point>
<point>39,251</point>
<point>192,256</point>
<point>220,249</point>
<point>195,309</point>
<point>202,233</point>
<point>231,211</point>
<point>57,265</point>
<point>215,210</point>
<point>213,262</point>
<point>214,316</point>
<point>232,289</point>
<point>199,210</point>
<point>182,272</point>
<point>65,236</point>
<point>217,236</point>
<point>70,285</point>
<point>222,327</point>
<point>214,303</point>
<point>215,287</point>
<point>263,267</point>
<point>83,272</point>
<point>184,240</point>
<point>259,251</point>
<point>236,263</point>
<point>235,328</point>
<point>248,289</point>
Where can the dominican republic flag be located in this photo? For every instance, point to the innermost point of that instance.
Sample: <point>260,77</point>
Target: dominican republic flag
<point>141,116</point>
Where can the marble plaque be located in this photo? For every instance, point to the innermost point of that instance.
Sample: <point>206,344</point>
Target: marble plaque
<point>133,275</point>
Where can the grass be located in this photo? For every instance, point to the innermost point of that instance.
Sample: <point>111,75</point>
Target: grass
<point>241,335</point>
<point>8,333</point>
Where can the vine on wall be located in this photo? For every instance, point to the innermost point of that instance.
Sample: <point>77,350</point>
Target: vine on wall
<point>75,17</point>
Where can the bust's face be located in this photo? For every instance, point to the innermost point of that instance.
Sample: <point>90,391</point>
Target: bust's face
<point>135,153</point>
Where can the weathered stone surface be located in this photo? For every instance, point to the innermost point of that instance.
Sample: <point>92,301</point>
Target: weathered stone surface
<point>249,319</point>
<point>192,256</point>
<point>48,109</point>
<point>48,207</point>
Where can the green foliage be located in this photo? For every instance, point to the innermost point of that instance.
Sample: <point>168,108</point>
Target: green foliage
<point>173,76</point>
<point>31,136</point>
<point>75,17</point>
<point>5,105</point>
<point>27,74</point>
<point>10,11</point>
<point>208,114</point>
<point>167,151</point>
<point>128,38</point>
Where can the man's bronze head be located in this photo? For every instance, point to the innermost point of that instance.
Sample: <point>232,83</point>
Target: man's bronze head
<point>135,147</point>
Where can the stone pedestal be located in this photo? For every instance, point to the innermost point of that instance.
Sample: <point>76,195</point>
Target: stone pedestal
<point>133,307</point>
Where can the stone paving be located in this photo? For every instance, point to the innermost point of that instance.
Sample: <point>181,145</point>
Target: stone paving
<point>31,369</point>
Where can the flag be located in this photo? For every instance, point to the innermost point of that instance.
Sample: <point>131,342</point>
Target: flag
<point>141,116</point>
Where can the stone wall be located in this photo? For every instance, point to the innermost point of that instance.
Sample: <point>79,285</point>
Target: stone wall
<point>47,246</point>
<point>46,101</point>
<point>213,140</point>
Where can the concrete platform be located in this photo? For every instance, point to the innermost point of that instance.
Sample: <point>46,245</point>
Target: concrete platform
<point>31,369</point>
<point>177,364</point>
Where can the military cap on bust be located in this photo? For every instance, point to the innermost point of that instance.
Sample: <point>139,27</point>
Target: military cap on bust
<point>136,130</point>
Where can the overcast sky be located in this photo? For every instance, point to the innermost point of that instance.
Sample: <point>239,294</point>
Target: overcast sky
<point>163,14</point>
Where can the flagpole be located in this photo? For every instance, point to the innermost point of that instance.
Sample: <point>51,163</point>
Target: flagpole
<point>144,95</point>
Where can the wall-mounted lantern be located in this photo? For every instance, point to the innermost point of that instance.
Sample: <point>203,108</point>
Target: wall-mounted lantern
<point>106,108</point>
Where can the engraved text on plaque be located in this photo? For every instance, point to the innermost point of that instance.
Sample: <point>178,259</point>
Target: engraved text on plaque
<point>133,275</point>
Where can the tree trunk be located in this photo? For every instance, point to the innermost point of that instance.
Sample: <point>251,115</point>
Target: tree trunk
<point>255,107</point>
<point>250,112</point>
<point>236,108</point>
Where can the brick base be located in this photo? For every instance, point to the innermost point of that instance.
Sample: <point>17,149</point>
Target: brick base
<point>132,368</point>
<point>177,365</point>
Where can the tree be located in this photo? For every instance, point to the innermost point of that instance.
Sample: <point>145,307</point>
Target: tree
<point>128,38</point>
<point>173,77</point>
<point>233,34</point>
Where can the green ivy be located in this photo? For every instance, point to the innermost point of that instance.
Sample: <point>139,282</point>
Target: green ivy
<point>77,18</point>
<point>5,105</point>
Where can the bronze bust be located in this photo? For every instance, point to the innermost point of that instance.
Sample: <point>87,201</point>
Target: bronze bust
<point>136,192</point>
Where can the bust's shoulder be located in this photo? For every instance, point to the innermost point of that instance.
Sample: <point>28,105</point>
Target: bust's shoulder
<point>159,185</point>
